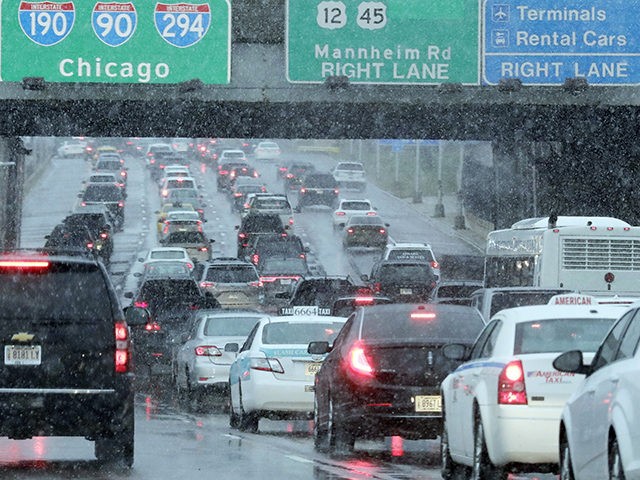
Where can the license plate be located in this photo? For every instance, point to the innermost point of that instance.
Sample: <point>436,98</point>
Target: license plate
<point>428,403</point>
<point>406,291</point>
<point>312,368</point>
<point>22,354</point>
<point>285,281</point>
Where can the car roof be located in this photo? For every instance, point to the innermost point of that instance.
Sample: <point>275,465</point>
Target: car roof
<point>550,312</point>
<point>302,319</point>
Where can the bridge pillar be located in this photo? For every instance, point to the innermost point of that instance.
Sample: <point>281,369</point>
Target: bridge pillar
<point>513,180</point>
<point>12,154</point>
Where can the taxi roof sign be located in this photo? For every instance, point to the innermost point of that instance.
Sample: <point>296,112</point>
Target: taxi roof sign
<point>573,299</point>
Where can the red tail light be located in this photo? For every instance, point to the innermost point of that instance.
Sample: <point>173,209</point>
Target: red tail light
<point>350,230</point>
<point>264,280</point>
<point>382,230</point>
<point>266,365</point>
<point>123,173</point>
<point>152,327</point>
<point>303,190</point>
<point>255,258</point>
<point>256,284</point>
<point>371,214</point>
<point>203,249</point>
<point>206,284</point>
<point>282,169</point>
<point>435,265</point>
<point>341,214</point>
<point>122,347</point>
<point>121,204</point>
<point>358,361</point>
<point>237,194</point>
<point>511,387</point>
<point>223,172</point>
<point>364,301</point>
<point>377,287</point>
<point>89,245</point>
<point>242,235</point>
<point>141,304</point>
<point>255,174</point>
<point>84,204</point>
<point>289,175</point>
<point>336,191</point>
<point>290,220</point>
<point>208,351</point>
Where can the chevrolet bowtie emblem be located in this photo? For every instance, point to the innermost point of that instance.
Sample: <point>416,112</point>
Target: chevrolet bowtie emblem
<point>22,337</point>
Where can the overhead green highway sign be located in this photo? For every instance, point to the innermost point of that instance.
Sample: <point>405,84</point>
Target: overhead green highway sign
<point>116,42</point>
<point>388,41</point>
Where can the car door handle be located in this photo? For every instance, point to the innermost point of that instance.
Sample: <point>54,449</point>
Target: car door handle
<point>615,380</point>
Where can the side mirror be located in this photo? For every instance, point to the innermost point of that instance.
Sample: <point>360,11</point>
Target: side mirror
<point>141,259</point>
<point>232,347</point>
<point>571,362</point>
<point>136,316</point>
<point>184,337</point>
<point>286,227</point>
<point>137,275</point>
<point>387,225</point>
<point>455,351</point>
<point>237,227</point>
<point>80,195</point>
<point>306,249</point>
<point>318,348</point>
<point>364,277</point>
<point>128,294</point>
<point>212,240</point>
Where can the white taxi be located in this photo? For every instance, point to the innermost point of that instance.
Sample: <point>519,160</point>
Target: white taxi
<point>600,423</point>
<point>349,208</point>
<point>273,375</point>
<point>501,408</point>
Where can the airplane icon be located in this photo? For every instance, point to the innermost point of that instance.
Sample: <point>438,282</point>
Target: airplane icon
<point>500,13</point>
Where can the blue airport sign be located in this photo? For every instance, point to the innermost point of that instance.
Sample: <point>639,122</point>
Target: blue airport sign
<point>544,42</point>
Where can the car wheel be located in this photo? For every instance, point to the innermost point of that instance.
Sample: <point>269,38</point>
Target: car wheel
<point>482,468</point>
<point>117,448</point>
<point>616,470</point>
<point>450,470</point>
<point>320,435</point>
<point>234,418</point>
<point>248,421</point>
<point>341,438</point>
<point>566,469</point>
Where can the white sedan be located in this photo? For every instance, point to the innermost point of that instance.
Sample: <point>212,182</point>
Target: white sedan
<point>267,151</point>
<point>600,424</point>
<point>169,254</point>
<point>502,407</point>
<point>349,208</point>
<point>201,363</point>
<point>273,375</point>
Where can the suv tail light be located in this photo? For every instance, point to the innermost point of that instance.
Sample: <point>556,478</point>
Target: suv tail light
<point>336,191</point>
<point>206,284</point>
<point>377,287</point>
<point>303,190</point>
<point>152,327</point>
<point>341,214</point>
<point>121,204</point>
<point>382,230</point>
<point>22,264</point>
<point>266,365</point>
<point>350,230</point>
<point>122,347</point>
<point>358,362</point>
<point>256,284</point>
<point>511,387</point>
<point>435,264</point>
<point>255,258</point>
<point>208,351</point>
<point>141,304</point>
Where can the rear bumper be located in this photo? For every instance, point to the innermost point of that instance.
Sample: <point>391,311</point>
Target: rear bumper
<point>263,393</point>
<point>86,412</point>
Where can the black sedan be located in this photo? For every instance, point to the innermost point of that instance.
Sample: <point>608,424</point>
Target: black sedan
<point>382,374</point>
<point>365,231</point>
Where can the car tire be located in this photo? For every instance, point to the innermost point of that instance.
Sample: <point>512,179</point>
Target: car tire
<point>320,434</point>
<point>234,418</point>
<point>616,469</point>
<point>482,468</point>
<point>117,448</point>
<point>449,470</point>
<point>248,421</point>
<point>341,438</point>
<point>566,468</point>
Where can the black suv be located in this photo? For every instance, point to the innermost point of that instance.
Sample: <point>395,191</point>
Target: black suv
<point>275,244</point>
<point>402,281</point>
<point>169,301</point>
<point>96,218</point>
<point>67,356</point>
<point>257,224</point>
<point>107,194</point>
<point>318,189</point>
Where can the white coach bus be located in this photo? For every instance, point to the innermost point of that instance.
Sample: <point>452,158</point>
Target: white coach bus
<point>589,254</point>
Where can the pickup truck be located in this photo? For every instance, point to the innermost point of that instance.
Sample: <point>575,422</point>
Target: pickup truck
<point>350,175</point>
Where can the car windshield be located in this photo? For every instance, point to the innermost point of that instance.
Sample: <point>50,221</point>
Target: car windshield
<point>102,193</point>
<point>291,333</point>
<point>232,326</point>
<point>292,266</point>
<point>231,274</point>
<point>167,254</point>
<point>560,335</point>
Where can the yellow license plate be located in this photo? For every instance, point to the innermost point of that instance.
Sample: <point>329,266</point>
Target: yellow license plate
<point>312,368</point>
<point>428,403</point>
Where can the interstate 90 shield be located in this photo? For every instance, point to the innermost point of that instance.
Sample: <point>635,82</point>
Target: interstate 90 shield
<point>46,23</point>
<point>114,23</point>
<point>182,24</point>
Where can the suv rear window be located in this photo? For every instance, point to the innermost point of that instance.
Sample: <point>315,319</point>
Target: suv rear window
<point>349,166</point>
<point>61,282</point>
<point>271,204</point>
<point>233,154</point>
<point>457,324</point>
<point>286,333</point>
<point>108,165</point>
<point>356,206</point>
<point>421,255</point>
<point>320,181</point>
<point>262,223</point>
<point>414,273</point>
<point>153,290</point>
<point>560,335</point>
<point>103,193</point>
<point>293,266</point>
<point>232,274</point>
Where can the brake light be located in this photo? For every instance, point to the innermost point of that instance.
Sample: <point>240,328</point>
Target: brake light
<point>237,194</point>
<point>255,174</point>
<point>358,362</point>
<point>377,287</point>
<point>422,315</point>
<point>289,175</point>
<point>242,235</point>
<point>511,387</point>
<point>203,249</point>
<point>255,258</point>
<point>152,327</point>
<point>340,214</point>
<point>336,191</point>
<point>350,230</point>
<point>382,230</point>
<point>363,301</point>
<point>303,190</point>
<point>206,284</point>
<point>123,173</point>
<point>256,284</point>
<point>84,204</point>
<point>208,351</point>
<point>282,169</point>
<point>268,279</point>
<point>89,245</point>
<point>122,347</point>
<point>152,161</point>
<point>435,265</point>
<point>371,214</point>
<point>37,264</point>
<point>223,172</point>
<point>266,365</point>
<point>141,304</point>
<point>121,204</point>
